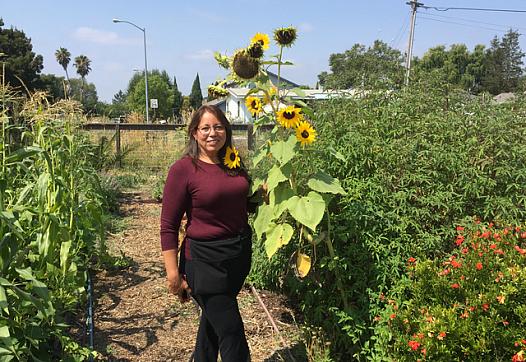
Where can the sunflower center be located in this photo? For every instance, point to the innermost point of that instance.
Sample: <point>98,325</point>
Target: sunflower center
<point>288,115</point>
<point>305,134</point>
<point>232,157</point>
<point>254,104</point>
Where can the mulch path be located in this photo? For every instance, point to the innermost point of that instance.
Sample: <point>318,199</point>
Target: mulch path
<point>136,319</point>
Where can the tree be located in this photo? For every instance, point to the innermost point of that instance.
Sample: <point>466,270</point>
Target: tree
<point>376,66</point>
<point>53,85</point>
<point>177,101</point>
<point>196,96</point>
<point>22,66</point>
<point>89,98</point>
<point>63,57</point>
<point>82,63</point>
<point>159,87</point>
<point>503,64</point>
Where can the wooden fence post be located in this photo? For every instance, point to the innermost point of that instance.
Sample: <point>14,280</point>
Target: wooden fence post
<point>250,137</point>
<point>118,144</point>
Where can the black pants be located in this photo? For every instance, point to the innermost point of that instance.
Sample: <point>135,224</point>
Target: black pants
<point>221,328</point>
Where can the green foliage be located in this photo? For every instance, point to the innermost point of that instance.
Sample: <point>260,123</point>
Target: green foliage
<point>196,96</point>
<point>51,210</point>
<point>177,105</point>
<point>415,164</point>
<point>159,87</point>
<point>376,66</point>
<point>20,60</point>
<point>468,305</point>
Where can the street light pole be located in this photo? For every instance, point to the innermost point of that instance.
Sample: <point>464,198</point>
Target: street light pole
<point>145,61</point>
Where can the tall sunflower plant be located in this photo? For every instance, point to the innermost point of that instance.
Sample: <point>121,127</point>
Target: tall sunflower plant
<point>293,210</point>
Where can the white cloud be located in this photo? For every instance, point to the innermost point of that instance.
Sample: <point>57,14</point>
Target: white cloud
<point>102,37</point>
<point>205,54</point>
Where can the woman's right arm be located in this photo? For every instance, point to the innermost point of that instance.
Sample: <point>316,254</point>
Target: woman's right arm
<point>175,202</point>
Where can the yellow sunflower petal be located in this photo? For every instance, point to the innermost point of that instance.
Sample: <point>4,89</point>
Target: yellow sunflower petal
<point>305,133</point>
<point>263,39</point>
<point>232,159</point>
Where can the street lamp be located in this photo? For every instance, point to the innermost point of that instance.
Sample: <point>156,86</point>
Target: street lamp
<point>145,62</point>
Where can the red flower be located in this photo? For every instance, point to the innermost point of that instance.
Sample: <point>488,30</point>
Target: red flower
<point>485,306</point>
<point>521,251</point>
<point>441,335</point>
<point>479,266</point>
<point>392,316</point>
<point>460,228</point>
<point>518,357</point>
<point>465,250</point>
<point>499,252</point>
<point>414,345</point>
<point>460,240</point>
<point>455,264</point>
<point>493,246</point>
<point>455,286</point>
<point>523,235</point>
<point>411,260</point>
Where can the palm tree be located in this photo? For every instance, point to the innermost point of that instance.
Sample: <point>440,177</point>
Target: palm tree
<point>63,58</point>
<point>82,63</point>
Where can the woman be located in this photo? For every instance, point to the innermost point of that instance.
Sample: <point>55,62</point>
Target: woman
<point>210,185</point>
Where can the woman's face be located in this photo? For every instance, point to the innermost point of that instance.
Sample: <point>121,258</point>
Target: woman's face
<point>210,135</point>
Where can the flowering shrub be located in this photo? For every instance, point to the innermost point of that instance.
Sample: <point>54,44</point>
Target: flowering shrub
<point>469,305</point>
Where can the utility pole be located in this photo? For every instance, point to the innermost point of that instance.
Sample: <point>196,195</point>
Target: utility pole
<point>414,6</point>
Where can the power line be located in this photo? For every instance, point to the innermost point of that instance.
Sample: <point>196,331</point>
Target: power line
<point>474,21</point>
<point>462,24</point>
<point>474,9</point>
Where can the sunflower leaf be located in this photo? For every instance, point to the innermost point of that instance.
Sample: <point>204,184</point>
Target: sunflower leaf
<point>259,155</point>
<point>303,264</point>
<point>283,151</point>
<point>277,175</point>
<point>307,210</point>
<point>278,198</point>
<point>277,236</point>
<point>263,219</point>
<point>325,183</point>
<point>299,92</point>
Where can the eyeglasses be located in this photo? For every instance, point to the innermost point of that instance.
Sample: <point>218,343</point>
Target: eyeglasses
<point>206,129</point>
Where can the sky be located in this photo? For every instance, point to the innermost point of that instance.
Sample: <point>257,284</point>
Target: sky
<point>181,36</point>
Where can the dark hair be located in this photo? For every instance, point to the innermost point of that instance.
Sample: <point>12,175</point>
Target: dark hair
<point>192,148</point>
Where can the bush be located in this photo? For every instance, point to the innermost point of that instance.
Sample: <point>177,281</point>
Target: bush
<point>468,305</point>
<point>415,164</point>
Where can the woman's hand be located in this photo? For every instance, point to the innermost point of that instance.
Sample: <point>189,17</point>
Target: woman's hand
<point>177,285</point>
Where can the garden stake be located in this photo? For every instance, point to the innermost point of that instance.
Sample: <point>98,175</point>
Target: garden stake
<point>255,292</point>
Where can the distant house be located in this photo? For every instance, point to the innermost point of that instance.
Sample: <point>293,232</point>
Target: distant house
<point>236,111</point>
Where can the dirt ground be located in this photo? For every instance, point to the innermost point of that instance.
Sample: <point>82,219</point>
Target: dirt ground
<point>137,320</point>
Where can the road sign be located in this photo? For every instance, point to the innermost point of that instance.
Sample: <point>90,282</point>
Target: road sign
<point>153,103</point>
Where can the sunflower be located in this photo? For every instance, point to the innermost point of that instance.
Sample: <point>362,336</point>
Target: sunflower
<point>285,36</point>
<point>244,66</point>
<point>232,159</point>
<point>262,39</point>
<point>255,50</point>
<point>305,134</point>
<point>267,97</point>
<point>289,116</point>
<point>254,105</point>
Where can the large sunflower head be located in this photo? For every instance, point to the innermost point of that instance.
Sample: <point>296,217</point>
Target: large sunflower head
<point>244,66</point>
<point>261,39</point>
<point>255,50</point>
<point>285,36</point>
<point>232,159</point>
<point>289,116</point>
<point>305,133</point>
<point>254,105</point>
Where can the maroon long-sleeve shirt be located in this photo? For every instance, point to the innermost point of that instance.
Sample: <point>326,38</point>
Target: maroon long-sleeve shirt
<point>214,202</point>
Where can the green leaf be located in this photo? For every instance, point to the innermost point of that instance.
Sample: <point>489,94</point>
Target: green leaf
<point>325,183</point>
<point>26,273</point>
<point>263,219</point>
<point>307,210</point>
<point>22,153</point>
<point>275,176</point>
<point>259,155</point>
<point>277,236</point>
<point>279,197</point>
<point>40,289</point>
<point>64,254</point>
<point>336,154</point>
<point>3,298</point>
<point>283,151</point>
<point>4,332</point>
<point>299,92</point>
